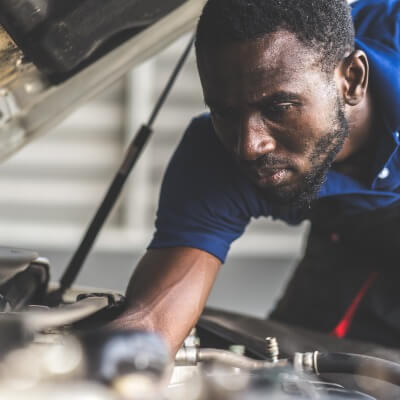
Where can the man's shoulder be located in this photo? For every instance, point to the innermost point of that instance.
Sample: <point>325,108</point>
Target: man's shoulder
<point>377,25</point>
<point>200,130</point>
<point>202,121</point>
<point>200,145</point>
<point>390,6</point>
<point>375,19</point>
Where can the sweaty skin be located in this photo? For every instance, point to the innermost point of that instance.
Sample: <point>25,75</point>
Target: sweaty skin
<point>267,96</point>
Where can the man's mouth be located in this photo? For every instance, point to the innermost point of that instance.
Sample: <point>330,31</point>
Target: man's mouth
<point>269,176</point>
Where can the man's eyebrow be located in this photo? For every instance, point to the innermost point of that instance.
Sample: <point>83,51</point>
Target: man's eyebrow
<point>278,97</point>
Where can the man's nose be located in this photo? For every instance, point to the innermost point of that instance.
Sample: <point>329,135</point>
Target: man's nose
<point>254,139</point>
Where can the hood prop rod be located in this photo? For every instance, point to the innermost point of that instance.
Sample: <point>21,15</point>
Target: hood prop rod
<point>132,154</point>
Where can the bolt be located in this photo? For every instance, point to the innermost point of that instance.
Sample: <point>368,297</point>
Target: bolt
<point>272,349</point>
<point>192,340</point>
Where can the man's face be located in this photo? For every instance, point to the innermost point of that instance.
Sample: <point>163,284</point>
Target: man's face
<point>276,112</point>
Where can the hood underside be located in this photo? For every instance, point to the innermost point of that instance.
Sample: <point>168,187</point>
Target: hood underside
<point>43,82</point>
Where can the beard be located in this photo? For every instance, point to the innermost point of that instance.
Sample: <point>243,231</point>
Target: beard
<point>321,159</point>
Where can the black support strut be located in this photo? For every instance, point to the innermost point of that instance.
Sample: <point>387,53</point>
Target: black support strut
<point>134,151</point>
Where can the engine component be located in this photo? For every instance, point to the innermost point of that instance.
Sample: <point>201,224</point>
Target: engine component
<point>136,365</point>
<point>27,287</point>
<point>111,355</point>
<point>272,349</point>
<point>18,328</point>
<point>66,391</point>
<point>40,320</point>
<point>219,382</point>
<point>238,349</point>
<point>59,37</point>
<point>348,363</point>
<point>14,261</point>
<point>218,327</point>
<point>192,356</point>
<point>31,105</point>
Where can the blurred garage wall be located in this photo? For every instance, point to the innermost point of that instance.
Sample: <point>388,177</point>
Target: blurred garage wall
<point>50,189</point>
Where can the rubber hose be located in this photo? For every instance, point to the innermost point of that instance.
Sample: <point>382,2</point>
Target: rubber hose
<point>359,365</point>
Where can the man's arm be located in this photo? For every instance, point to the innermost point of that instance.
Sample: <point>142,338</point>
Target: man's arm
<point>168,292</point>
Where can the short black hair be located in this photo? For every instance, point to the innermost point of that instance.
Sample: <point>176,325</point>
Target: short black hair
<point>324,26</point>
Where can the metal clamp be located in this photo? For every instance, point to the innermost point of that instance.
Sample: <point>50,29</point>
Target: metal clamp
<point>306,362</point>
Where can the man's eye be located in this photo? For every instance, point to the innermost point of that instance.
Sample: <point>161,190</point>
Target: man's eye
<point>282,107</point>
<point>278,110</point>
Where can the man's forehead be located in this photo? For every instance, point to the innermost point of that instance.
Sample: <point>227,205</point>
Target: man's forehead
<point>275,49</point>
<point>272,51</point>
<point>273,62</point>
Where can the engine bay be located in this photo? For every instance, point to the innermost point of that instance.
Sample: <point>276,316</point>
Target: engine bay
<point>69,350</point>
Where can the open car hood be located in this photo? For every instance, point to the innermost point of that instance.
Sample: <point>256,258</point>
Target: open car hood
<point>35,96</point>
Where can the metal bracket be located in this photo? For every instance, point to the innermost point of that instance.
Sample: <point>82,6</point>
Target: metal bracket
<point>8,107</point>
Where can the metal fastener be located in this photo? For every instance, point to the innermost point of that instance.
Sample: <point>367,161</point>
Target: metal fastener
<point>272,349</point>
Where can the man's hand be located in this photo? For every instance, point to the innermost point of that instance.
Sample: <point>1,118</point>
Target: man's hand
<point>168,292</point>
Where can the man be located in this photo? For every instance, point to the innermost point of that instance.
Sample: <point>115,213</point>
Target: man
<point>298,129</point>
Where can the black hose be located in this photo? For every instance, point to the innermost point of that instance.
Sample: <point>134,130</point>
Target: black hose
<point>359,365</point>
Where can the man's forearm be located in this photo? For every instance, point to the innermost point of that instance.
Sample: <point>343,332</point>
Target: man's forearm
<point>168,291</point>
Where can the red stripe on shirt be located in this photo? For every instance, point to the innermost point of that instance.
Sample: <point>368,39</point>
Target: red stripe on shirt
<point>342,328</point>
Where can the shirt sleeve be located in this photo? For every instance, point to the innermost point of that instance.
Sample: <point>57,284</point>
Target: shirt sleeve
<point>205,202</point>
<point>379,21</point>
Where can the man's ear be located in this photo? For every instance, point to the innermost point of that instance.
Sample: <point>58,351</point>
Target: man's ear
<point>354,77</point>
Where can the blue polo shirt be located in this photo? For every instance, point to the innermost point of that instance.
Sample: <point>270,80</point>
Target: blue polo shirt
<point>206,203</point>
